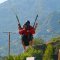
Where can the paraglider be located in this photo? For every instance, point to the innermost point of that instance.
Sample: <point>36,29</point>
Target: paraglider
<point>27,32</point>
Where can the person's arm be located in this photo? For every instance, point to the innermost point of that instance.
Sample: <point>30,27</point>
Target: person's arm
<point>35,26</point>
<point>21,31</point>
<point>19,26</point>
<point>32,30</point>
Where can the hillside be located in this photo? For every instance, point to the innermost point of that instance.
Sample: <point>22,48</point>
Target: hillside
<point>50,27</point>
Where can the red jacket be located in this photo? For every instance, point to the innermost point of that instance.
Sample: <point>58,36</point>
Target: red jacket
<point>26,32</point>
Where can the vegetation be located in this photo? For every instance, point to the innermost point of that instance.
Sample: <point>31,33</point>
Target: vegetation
<point>38,41</point>
<point>45,53</point>
<point>31,52</point>
<point>48,55</point>
<point>56,44</point>
<point>56,39</point>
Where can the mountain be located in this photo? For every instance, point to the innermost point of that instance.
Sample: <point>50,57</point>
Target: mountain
<point>26,10</point>
<point>23,10</point>
<point>51,26</point>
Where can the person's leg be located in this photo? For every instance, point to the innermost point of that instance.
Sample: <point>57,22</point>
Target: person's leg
<point>31,42</point>
<point>23,42</point>
<point>24,46</point>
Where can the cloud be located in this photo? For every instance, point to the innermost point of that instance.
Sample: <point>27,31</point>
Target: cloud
<point>2,1</point>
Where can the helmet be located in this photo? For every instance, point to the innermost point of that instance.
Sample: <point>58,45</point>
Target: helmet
<point>28,23</point>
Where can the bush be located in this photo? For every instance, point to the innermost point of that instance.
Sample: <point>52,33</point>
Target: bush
<point>10,58</point>
<point>31,52</point>
<point>38,41</point>
<point>56,39</point>
<point>48,55</point>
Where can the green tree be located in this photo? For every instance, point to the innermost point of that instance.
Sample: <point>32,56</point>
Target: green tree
<point>56,39</point>
<point>56,42</point>
<point>48,55</point>
<point>10,58</point>
<point>38,41</point>
<point>31,52</point>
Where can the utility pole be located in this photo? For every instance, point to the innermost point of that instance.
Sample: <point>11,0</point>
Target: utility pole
<point>9,34</point>
<point>9,43</point>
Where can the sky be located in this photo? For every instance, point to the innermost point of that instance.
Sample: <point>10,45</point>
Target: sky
<point>2,1</point>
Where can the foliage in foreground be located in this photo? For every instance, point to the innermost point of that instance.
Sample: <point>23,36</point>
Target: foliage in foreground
<point>48,55</point>
<point>31,52</point>
<point>38,41</point>
<point>39,54</point>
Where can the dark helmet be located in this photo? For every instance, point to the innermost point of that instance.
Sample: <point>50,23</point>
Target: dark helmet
<point>28,23</point>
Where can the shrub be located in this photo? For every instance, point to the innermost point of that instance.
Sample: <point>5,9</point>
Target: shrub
<point>38,41</point>
<point>48,55</point>
<point>10,58</point>
<point>30,53</point>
